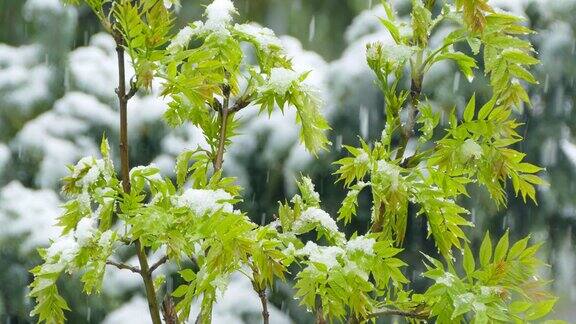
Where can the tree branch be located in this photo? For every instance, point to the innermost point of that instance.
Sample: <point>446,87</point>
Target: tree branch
<point>133,89</point>
<point>224,113</point>
<point>123,266</point>
<point>261,291</point>
<point>123,98</point>
<point>158,263</point>
<point>148,284</point>
<point>319,311</point>
<point>169,311</point>
<point>264,301</point>
<point>239,105</point>
<point>408,129</point>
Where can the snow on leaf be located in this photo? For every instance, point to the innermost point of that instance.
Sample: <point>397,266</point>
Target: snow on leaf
<point>315,215</point>
<point>203,201</point>
<point>361,243</point>
<point>219,16</point>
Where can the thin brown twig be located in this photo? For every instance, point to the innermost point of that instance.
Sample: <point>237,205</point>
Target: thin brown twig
<point>239,105</point>
<point>158,263</point>
<point>123,266</point>
<point>133,89</point>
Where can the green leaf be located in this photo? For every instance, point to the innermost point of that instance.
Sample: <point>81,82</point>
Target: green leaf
<point>518,248</point>
<point>465,62</point>
<point>182,167</point>
<point>187,274</point>
<point>519,57</point>
<point>501,248</point>
<point>469,110</point>
<point>180,291</point>
<point>486,250</point>
<point>468,263</point>
<point>540,309</point>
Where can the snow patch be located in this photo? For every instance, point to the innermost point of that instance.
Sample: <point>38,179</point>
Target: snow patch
<point>569,150</point>
<point>29,212</point>
<point>203,201</point>
<point>265,37</point>
<point>184,36</point>
<point>315,215</point>
<point>471,149</point>
<point>281,80</point>
<point>327,255</point>
<point>361,243</point>
<point>447,279</point>
<point>219,16</point>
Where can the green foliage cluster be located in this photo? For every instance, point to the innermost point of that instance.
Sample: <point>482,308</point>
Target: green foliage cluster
<point>204,72</point>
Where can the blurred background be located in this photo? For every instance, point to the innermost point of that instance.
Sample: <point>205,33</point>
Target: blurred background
<point>57,80</point>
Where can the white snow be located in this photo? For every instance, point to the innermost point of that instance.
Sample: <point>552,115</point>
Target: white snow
<point>315,215</point>
<point>367,22</point>
<point>133,312</point>
<point>219,16</point>
<point>85,230</point>
<point>227,309</point>
<point>203,201</point>
<point>4,158</point>
<point>62,135</point>
<point>44,5</point>
<point>362,158</point>
<point>447,279</point>
<point>26,55</point>
<point>307,183</point>
<point>281,80</point>
<point>169,3</point>
<point>28,212</point>
<point>184,36</point>
<point>361,243</point>
<point>25,87</point>
<point>65,248</point>
<point>392,171</point>
<point>516,7</point>
<point>143,112</point>
<point>106,238</point>
<point>152,168</point>
<point>471,149</point>
<point>352,267</point>
<point>279,130</point>
<point>265,37</point>
<point>307,61</point>
<point>86,107</point>
<point>569,150</point>
<point>93,69</point>
<point>396,53</point>
<point>466,298</point>
<point>327,255</point>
